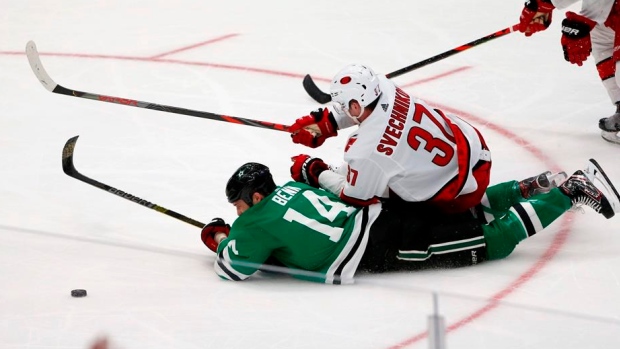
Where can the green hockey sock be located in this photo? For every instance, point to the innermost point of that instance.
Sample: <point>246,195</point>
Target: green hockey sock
<point>523,220</point>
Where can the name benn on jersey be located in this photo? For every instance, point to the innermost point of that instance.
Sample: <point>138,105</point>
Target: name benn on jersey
<point>284,194</point>
<point>396,123</point>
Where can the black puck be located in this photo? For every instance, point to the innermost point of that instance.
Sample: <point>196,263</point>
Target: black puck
<point>78,293</point>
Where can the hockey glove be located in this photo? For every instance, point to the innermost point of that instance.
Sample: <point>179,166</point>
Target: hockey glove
<point>536,16</point>
<point>322,119</point>
<point>211,230</point>
<point>307,170</point>
<point>576,37</point>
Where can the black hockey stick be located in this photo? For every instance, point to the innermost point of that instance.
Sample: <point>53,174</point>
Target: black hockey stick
<point>313,90</point>
<point>71,171</point>
<point>52,86</point>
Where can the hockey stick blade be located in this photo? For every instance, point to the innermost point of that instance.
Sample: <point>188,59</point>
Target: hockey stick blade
<point>322,97</point>
<point>50,85</point>
<point>37,67</point>
<point>314,91</point>
<point>69,168</point>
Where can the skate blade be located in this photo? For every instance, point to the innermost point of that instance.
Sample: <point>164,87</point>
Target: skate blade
<point>595,173</point>
<point>611,137</point>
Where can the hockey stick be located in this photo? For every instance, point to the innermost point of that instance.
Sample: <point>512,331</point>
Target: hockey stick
<point>313,90</point>
<point>71,171</point>
<point>52,86</point>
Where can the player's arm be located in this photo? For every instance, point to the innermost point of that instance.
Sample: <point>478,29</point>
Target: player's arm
<point>334,180</point>
<point>560,4</point>
<point>365,182</point>
<point>360,183</point>
<point>241,255</point>
<point>316,173</point>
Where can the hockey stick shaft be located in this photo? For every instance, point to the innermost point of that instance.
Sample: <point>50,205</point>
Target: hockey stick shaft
<point>69,168</point>
<point>453,51</point>
<point>52,86</point>
<point>313,90</point>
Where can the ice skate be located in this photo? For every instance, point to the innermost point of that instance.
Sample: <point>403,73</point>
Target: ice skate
<point>610,124</point>
<point>541,184</point>
<point>612,137</point>
<point>610,127</point>
<point>599,178</point>
<point>592,187</point>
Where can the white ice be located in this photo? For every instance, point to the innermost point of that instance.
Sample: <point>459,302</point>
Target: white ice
<point>150,281</point>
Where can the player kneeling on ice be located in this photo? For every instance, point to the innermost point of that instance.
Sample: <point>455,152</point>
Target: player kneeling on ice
<point>419,152</point>
<point>318,237</point>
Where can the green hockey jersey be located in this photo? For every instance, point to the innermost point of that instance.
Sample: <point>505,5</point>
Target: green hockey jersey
<point>308,230</point>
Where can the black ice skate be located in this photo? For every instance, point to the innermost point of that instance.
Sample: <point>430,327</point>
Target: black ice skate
<point>543,183</point>
<point>611,127</point>
<point>591,187</point>
<point>612,123</point>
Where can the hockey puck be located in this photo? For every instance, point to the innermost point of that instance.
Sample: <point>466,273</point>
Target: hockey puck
<point>78,293</point>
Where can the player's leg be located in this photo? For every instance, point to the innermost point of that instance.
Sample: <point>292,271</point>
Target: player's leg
<point>500,197</point>
<point>414,236</point>
<point>604,39</point>
<point>589,187</point>
<point>419,237</point>
<point>449,241</point>
<point>522,220</point>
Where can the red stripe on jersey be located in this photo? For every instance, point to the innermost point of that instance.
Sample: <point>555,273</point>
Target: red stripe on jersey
<point>463,152</point>
<point>481,173</point>
<point>445,134</point>
<point>606,68</point>
<point>350,143</point>
<point>357,202</point>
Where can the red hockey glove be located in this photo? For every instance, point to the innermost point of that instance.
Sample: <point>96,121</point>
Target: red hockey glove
<point>324,121</point>
<point>576,37</point>
<point>535,17</point>
<point>307,170</point>
<point>216,226</point>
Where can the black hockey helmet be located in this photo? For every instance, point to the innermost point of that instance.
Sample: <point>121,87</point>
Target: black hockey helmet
<point>248,179</point>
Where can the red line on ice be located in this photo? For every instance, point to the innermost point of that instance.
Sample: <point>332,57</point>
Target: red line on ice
<point>435,77</point>
<point>224,37</point>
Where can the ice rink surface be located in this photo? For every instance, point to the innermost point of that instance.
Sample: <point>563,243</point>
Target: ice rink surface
<point>150,280</point>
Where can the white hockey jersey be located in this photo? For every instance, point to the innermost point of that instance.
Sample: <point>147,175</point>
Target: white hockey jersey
<point>406,147</point>
<point>596,10</point>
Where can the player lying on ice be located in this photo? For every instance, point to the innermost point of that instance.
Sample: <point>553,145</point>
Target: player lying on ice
<point>308,229</point>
